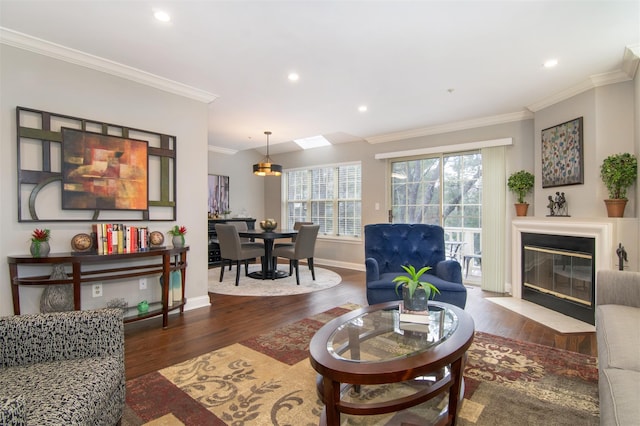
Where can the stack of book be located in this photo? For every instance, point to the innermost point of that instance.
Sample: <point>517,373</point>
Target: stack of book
<point>420,317</point>
<point>119,238</point>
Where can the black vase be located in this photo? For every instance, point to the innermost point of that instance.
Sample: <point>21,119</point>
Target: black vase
<point>418,302</point>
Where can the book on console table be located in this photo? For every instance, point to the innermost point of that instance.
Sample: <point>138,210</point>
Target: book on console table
<point>420,317</point>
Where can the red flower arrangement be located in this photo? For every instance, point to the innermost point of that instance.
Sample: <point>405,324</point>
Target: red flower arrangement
<point>41,235</point>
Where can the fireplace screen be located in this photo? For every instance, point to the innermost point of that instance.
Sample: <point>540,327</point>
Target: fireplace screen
<point>560,273</point>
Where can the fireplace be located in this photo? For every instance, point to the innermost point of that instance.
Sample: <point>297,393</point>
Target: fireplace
<point>558,272</point>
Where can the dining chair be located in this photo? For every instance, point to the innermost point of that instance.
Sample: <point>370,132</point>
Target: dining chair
<point>303,248</point>
<point>232,249</point>
<point>296,227</point>
<point>242,226</point>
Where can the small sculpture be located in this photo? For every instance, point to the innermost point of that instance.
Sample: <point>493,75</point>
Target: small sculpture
<point>622,256</point>
<point>558,206</point>
<point>57,297</point>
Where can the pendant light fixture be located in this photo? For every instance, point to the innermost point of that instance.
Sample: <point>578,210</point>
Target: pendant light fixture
<point>266,167</point>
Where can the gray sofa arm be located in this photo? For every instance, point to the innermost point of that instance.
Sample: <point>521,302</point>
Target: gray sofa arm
<point>618,288</point>
<point>35,338</point>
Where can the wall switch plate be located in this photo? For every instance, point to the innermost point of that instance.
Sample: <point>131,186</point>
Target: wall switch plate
<point>143,283</point>
<point>97,290</point>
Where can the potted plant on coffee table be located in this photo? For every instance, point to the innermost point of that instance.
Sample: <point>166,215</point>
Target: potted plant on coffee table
<point>415,292</point>
<point>521,183</point>
<point>618,172</point>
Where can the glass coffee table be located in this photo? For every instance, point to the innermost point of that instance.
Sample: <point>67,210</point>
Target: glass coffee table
<point>371,363</point>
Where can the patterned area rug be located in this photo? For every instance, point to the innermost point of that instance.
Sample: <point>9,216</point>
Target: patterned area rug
<point>268,380</point>
<point>281,287</point>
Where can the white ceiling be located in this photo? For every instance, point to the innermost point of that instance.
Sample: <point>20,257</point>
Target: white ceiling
<point>401,59</point>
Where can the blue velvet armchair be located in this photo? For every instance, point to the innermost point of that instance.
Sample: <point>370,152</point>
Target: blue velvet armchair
<point>389,246</point>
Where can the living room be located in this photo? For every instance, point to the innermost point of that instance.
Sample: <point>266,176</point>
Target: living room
<point>54,82</point>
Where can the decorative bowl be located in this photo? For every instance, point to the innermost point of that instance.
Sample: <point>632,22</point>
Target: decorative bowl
<point>268,225</point>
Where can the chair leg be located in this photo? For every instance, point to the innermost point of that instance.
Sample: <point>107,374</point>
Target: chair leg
<point>313,271</point>
<point>222,270</point>
<point>237,272</point>
<point>246,268</point>
<point>291,266</point>
<point>296,264</point>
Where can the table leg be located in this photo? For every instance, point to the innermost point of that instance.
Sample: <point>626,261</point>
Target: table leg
<point>331,394</point>
<point>457,368</point>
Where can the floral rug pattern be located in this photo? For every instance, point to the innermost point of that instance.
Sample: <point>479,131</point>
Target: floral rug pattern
<point>268,380</point>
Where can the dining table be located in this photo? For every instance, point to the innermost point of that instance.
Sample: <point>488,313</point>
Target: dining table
<point>269,267</point>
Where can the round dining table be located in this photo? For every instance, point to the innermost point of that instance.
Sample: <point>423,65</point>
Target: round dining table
<point>269,267</point>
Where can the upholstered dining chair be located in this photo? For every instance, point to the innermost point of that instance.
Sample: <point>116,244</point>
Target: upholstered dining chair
<point>232,249</point>
<point>242,226</point>
<point>303,248</point>
<point>296,227</point>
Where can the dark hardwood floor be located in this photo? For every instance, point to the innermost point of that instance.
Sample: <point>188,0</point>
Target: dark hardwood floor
<point>230,319</point>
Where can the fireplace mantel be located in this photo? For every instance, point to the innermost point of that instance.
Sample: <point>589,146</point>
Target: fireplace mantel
<point>607,232</point>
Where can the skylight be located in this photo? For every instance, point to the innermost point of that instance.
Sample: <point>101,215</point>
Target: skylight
<point>312,142</point>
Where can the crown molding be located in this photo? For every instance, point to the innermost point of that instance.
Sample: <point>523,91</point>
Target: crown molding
<point>452,127</point>
<point>629,66</point>
<point>630,60</point>
<point>220,150</point>
<point>57,51</point>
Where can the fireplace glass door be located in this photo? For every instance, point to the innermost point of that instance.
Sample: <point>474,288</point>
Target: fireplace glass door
<point>558,273</point>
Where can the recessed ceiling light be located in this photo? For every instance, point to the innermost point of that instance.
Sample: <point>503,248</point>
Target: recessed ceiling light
<point>551,63</point>
<point>312,142</point>
<point>162,16</point>
<point>362,108</point>
<point>293,76</point>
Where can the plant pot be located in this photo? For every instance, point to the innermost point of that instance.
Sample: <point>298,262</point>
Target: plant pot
<point>419,301</point>
<point>39,248</point>
<point>615,207</point>
<point>178,241</point>
<point>521,209</point>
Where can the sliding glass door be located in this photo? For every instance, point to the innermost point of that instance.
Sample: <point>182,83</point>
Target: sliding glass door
<point>444,190</point>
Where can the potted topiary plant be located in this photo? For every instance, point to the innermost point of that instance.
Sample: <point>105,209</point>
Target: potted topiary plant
<point>618,172</point>
<point>415,293</point>
<point>521,183</point>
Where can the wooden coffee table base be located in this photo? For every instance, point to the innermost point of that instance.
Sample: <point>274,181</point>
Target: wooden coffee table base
<point>453,382</point>
<point>436,369</point>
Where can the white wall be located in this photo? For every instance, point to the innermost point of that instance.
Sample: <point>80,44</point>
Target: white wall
<point>246,190</point>
<point>608,128</point>
<point>40,82</point>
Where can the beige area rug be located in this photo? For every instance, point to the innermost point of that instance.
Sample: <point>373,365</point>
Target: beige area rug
<point>268,380</point>
<point>281,287</point>
<point>552,319</point>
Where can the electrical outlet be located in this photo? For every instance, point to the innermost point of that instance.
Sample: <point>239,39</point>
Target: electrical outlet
<point>97,290</point>
<point>143,283</point>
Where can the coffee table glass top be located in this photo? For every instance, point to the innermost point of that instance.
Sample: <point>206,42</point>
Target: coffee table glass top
<point>380,336</point>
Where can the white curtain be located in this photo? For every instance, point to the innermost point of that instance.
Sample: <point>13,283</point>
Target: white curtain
<point>493,218</point>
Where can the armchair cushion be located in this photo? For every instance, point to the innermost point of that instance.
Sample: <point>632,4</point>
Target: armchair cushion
<point>388,247</point>
<point>65,367</point>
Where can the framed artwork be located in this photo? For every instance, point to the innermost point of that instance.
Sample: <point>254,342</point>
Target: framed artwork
<point>40,163</point>
<point>218,195</point>
<point>103,172</point>
<point>562,154</point>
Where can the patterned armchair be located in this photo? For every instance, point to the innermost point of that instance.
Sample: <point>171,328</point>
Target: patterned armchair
<point>389,246</point>
<point>62,368</point>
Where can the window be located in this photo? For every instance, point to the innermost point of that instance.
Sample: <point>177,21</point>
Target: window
<point>328,196</point>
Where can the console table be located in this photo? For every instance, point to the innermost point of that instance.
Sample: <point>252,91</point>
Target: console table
<point>107,267</point>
